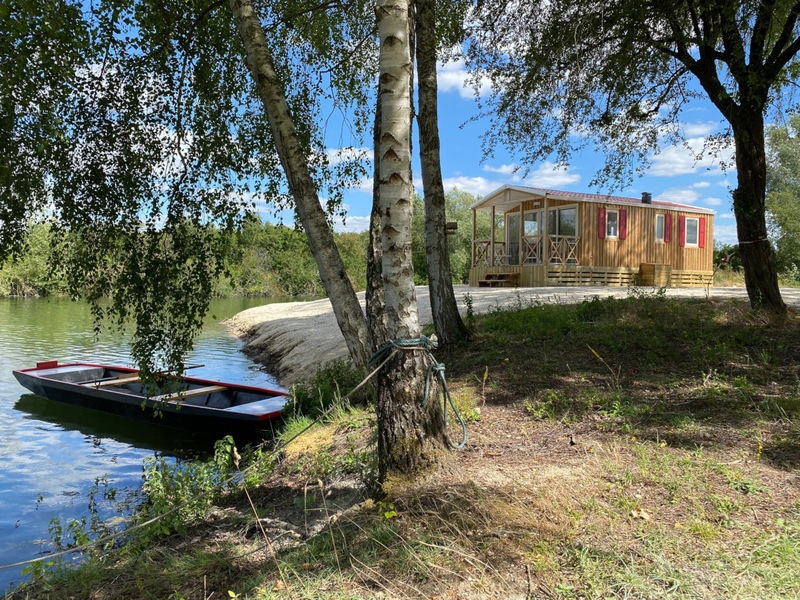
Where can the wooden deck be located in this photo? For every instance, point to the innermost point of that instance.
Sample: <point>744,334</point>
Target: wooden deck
<point>580,275</point>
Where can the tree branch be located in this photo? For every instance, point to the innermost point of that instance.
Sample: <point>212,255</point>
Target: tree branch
<point>783,51</point>
<point>761,28</point>
<point>732,41</point>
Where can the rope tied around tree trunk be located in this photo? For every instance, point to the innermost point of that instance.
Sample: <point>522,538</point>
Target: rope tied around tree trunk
<point>435,369</point>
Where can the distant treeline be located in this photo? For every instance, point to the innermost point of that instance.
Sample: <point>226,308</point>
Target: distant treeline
<point>262,259</point>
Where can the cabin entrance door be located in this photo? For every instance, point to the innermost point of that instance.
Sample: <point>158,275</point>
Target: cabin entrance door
<point>532,238</point>
<point>512,238</point>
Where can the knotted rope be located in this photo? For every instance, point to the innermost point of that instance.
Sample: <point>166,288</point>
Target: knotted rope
<point>435,369</point>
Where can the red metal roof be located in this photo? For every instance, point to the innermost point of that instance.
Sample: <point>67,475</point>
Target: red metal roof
<point>517,191</point>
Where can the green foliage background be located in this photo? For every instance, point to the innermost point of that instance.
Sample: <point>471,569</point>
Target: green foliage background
<point>457,207</point>
<point>783,195</point>
<point>262,259</point>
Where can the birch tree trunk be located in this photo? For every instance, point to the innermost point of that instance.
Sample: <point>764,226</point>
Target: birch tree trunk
<point>411,436</point>
<point>444,308</point>
<point>375,301</point>
<point>340,291</point>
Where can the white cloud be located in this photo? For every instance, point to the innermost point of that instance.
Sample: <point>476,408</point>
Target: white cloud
<point>365,185</point>
<point>502,169</point>
<point>679,195</point>
<point>701,184</point>
<point>477,186</point>
<point>713,201</point>
<point>683,160</point>
<point>452,77</point>
<point>354,224</point>
<point>547,175</point>
<point>695,130</point>
<point>340,155</point>
<point>552,175</point>
<point>725,234</point>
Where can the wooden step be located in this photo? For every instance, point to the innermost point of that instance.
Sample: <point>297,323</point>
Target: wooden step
<point>499,280</point>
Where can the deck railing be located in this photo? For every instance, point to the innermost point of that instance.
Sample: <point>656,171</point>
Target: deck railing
<point>536,250</point>
<point>482,251</point>
<point>532,249</point>
<point>563,249</point>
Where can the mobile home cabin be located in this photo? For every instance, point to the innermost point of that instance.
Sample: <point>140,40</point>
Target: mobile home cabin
<point>542,237</point>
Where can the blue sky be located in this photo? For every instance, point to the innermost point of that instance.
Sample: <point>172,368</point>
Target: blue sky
<point>674,174</point>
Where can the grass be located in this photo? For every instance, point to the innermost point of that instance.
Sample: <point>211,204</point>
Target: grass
<point>642,447</point>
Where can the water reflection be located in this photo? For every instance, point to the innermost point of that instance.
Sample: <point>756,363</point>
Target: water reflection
<point>96,426</point>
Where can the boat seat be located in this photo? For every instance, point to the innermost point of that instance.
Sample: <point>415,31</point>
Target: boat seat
<point>181,395</point>
<point>121,380</point>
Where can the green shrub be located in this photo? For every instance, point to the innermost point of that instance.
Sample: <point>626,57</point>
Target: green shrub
<point>331,382</point>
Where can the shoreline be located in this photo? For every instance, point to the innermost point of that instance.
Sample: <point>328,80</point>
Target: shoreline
<point>292,340</point>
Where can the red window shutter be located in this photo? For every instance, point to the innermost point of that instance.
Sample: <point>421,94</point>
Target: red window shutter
<point>682,230</point>
<point>623,223</point>
<point>701,240</point>
<point>601,223</point>
<point>667,228</point>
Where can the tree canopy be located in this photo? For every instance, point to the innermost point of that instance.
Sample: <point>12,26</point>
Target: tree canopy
<point>133,129</point>
<point>783,193</point>
<point>617,74</point>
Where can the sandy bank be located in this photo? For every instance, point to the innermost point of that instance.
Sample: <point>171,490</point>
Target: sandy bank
<point>293,339</point>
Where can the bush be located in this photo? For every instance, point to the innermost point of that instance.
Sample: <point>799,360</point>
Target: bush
<point>331,382</point>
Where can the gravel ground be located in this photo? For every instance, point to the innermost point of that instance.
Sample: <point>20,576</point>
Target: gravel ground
<point>292,339</point>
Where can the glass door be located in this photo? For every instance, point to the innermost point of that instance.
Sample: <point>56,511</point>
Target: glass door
<point>512,238</point>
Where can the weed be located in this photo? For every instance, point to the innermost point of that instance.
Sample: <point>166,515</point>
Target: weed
<point>615,375</point>
<point>182,492</point>
<point>646,294</point>
<point>593,310</point>
<point>482,381</point>
<point>470,316</point>
<point>328,386</point>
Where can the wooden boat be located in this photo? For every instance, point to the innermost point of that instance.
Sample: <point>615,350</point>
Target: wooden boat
<point>186,402</point>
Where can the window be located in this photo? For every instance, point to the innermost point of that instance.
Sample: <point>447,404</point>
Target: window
<point>563,221</point>
<point>659,228</point>
<point>692,231</point>
<point>533,224</point>
<point>612,223</point>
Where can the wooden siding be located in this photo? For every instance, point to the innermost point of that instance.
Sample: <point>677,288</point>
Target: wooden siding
<point>629,255</point>
<point>640,245</point>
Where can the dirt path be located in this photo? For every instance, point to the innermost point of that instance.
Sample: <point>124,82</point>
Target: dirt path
<point>293,339</point>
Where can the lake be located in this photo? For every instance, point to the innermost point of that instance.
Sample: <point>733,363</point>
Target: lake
<point>51,455</point>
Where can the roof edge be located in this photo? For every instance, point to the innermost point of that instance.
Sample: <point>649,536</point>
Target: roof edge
<point>591,198</point>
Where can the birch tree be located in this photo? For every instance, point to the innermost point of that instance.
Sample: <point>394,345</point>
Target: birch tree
<point>411,436</point>
<point>151,142</point>
<point>345,305</point>
<point>162,137</point>
<point>444,308</point>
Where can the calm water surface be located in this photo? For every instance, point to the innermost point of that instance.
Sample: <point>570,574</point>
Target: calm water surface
<point>51,455</point>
